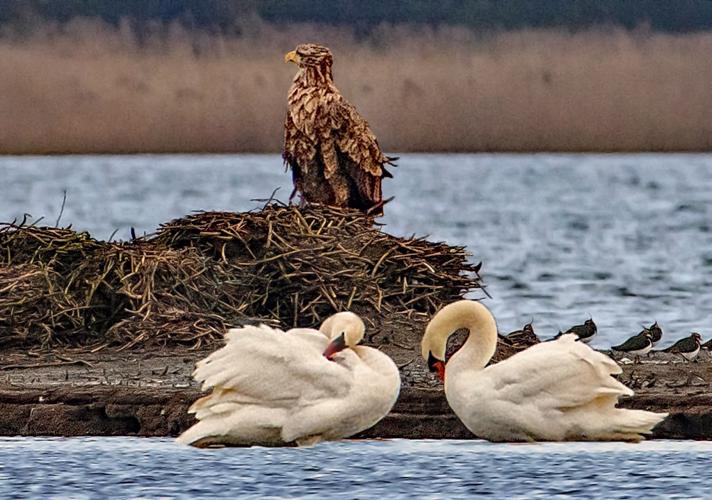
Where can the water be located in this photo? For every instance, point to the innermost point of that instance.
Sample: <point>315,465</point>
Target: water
<point>625,239</point>
<point>82,468</point>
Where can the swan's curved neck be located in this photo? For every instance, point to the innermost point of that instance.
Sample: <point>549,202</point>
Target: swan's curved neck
<point>481,342</point>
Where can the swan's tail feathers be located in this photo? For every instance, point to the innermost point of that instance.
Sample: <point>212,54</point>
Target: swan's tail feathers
<point>231,424</point>
<point>631,425</point>
<point>605,422</point>
<point>203,434</point>
<point>200,404</point>
<point>640,421</point>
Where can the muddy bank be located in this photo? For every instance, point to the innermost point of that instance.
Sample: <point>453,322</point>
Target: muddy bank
<point>147,393</point>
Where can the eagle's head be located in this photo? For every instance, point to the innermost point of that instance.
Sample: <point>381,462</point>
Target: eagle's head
<point>310,55</point>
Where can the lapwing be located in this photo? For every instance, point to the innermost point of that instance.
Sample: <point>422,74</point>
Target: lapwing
<point>637,345</point>
<point>688,348</point>
<point>656,333</point>
<point>707,345</point>
<point>523,338</point>
<point>584,332</point>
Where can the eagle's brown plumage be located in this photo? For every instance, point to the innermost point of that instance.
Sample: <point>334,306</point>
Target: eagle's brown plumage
<point>334,156</point>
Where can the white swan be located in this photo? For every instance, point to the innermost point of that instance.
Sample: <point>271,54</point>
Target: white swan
<point>303,386</point>
<point>553,391</point>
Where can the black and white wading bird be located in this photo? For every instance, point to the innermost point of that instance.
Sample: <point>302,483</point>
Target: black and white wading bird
<point>707,345</point>
<point>521,338</point>
<point>637,345</point>
<point>585,332</point>
<point>656,333</point>
<point>688,348</point>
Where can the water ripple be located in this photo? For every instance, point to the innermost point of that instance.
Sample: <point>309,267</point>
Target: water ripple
<point>159,468</point>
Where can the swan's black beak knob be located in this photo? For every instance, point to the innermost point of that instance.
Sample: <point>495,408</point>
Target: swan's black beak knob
<point>336,345</point>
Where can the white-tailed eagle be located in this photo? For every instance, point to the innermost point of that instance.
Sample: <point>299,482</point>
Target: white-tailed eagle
<point>334,157</point>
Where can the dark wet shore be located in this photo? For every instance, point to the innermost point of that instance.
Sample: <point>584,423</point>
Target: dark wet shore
<point>147,393</point>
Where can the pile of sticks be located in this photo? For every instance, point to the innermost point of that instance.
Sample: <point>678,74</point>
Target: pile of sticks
<point>201,274</point>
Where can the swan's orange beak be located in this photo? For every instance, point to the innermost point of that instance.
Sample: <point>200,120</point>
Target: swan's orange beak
<point>435,365</point>
<point>440,368</point>
<point>336,345</point>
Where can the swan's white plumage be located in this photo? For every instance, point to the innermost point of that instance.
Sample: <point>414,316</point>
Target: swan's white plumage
<point>271,387</point>
<point>563,373</point>
<point>553,391</point>
<point>246,365</point>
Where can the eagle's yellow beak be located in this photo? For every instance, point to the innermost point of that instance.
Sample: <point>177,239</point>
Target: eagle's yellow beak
<point>291,57</point>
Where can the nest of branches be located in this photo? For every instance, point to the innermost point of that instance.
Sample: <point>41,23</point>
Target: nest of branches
<point>301,265</point>
<point>33,307</point>
<point>201,274</point>
<point>58,248</point>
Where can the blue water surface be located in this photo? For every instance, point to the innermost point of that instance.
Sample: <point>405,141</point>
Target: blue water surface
<point>134,468</point>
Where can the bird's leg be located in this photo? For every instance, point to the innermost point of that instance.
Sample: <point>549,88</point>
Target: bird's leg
<point>340,186</point>
<point>378,207</point>
<point>291,196</point>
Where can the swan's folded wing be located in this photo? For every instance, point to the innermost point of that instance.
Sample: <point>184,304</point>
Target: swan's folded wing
<point>559,375</point>
<point>315,338</point>
<point>263,365</point>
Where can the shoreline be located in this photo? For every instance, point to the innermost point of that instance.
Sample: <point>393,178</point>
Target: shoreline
<point>147,393</point>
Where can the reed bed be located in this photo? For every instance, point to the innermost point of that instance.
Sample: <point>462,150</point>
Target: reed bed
<point>90,88</point>
<point>201,274</point>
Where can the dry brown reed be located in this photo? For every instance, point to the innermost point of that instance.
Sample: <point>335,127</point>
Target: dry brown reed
<point>206,272</point>
<point>88,88</point>
<point>33,307</point>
